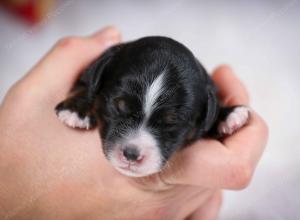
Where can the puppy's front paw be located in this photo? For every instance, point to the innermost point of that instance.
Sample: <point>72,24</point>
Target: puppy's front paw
<point>73,120</point>
<point>75,115</point>
<point>234,121</point>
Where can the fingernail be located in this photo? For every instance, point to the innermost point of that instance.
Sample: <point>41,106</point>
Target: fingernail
<point>108,36</point>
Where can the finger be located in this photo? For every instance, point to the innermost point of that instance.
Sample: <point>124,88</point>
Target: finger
<point>62,65</point>
<point>208,163</point>
<point>231,89</point>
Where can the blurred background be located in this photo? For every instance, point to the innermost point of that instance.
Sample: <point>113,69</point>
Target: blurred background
<point>260,39</point>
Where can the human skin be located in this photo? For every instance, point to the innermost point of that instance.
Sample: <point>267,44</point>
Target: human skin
<point>50,171</point>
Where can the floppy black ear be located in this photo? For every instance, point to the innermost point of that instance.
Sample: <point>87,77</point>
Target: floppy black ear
<point>92,76</point>
<point>208,116</point>
<point>212,108</point>
<point>81,99</point>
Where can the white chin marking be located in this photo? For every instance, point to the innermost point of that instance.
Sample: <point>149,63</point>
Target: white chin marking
<point>234,121</point>
<point>73,120</point>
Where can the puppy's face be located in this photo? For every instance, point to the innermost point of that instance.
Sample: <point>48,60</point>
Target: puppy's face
<point>153,100</point>
<point>151,95</point>
<point>147,117</point>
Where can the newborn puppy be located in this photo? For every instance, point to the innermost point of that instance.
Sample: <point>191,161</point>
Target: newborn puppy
<point>149,98</point>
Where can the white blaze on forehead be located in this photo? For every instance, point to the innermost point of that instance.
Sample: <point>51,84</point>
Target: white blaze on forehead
<point>152,94</point>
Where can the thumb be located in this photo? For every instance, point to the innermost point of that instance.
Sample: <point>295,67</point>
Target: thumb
<point>59,69</point>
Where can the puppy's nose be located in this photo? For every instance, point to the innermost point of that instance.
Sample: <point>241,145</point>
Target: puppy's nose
<point>131,153</point>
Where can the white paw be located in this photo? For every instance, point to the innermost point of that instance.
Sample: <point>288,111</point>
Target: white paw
<point>73,120</point>
<point>234,121</point>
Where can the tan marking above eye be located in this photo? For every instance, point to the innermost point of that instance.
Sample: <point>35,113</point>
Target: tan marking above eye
<point>120,104</point>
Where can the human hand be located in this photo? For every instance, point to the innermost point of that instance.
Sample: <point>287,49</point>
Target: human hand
<point>50,171</point>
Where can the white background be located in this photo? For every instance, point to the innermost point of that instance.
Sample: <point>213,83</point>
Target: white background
<point>260,39</point>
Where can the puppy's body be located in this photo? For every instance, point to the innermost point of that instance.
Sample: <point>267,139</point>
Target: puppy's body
<point>152,97</point>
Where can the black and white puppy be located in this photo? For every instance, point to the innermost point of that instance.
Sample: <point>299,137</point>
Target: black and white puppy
<point>149,98</point>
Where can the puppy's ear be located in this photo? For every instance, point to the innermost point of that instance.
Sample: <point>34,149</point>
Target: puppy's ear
<point>93,74</point>
<point>79,109</point>
<point>212,108</point>
<point>207,118</point>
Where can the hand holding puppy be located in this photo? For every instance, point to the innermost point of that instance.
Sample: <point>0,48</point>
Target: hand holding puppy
<point>48,170</point>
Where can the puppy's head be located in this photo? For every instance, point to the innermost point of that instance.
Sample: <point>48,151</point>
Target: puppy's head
<point>153,98</point>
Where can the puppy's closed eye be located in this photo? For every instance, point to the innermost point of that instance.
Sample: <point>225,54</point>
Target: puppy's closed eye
<point>171,118</point>
<point>127,107</point>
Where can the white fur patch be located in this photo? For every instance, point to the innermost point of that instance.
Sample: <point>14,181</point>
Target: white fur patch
<point>149,151</point>
<point>152,94</point>
<point>234,121</point>
<point>73,120</point>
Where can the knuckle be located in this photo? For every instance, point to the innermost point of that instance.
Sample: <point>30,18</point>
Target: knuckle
<point>19,96</point>
<point>241,175</point>
<point>21,91</point>
<point>17,90</point>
